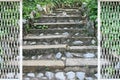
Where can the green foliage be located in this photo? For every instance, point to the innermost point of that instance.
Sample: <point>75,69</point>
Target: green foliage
<point>92,6</point>
<point>30,5</point>
<point>42,27</point>
<point>66,3</point>
<point>47,69</point>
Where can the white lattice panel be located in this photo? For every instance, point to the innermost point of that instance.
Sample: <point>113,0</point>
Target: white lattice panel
<point>10,51</point>
<point>109,23</point>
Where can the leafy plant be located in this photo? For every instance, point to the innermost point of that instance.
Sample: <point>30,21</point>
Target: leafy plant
<point>42,27</point>
<point>47,69</point>
<point>92,6</point>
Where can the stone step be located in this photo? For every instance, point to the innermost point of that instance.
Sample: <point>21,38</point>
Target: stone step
<point>59,18</point>
<point>48,31</point>
<point>52,52</point>
<point>67,9</point>
<point>56,20</point>
<point>32,47</point>
<point>81,62</point>
<point>50,40</point>
<point>28,37</point>
<point>60,63</point>
<point>61,15</point>
<point>66,13</point>
<point>56,37</point>
<point>61,23</point>
<point>71,26</point>
<point>83,47</point>
<point>55,16</point>
<point>44,63</point>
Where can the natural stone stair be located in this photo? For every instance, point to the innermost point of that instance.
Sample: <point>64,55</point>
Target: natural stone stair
<point>72,23</point>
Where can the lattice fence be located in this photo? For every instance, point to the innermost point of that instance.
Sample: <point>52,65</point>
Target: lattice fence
<point>110,39</point>
<point>9,40</point>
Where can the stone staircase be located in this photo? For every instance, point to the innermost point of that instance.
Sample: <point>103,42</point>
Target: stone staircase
<point>64,46</point>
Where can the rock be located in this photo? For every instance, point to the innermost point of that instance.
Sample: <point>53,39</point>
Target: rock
<point>80,75</point>
<point>71,20</point>
<point>32,43</point>
<point>60,76</point>
<point>41,34</point>
<point>89,78</point>
<point>65,28</point>
<point>93,41</point>
<point>24,21</point>
<point>31,75</point>
<point>70,75</point>
<point>10,75</point>
<point>44,78</point>
<point>84,4</point>
<point>89,55</point>
<point>69,55</point>
<point>31,15</point>
<point>57,33</point>
<point>26,78</point>
<point>63,58</point>
<point>34,79</point>
<point>65,33</point>
<point>39,75</point>
<point>68,40</point>
<point>77,42</point>
<point>56,42</point>
<point>39,56</point>
<point>64,14</point>
<point>90,28</point>
<point>49,75</point>
<point>49,56</point>
<point>33,57</point>
<point>117,66</point>
<point>39,7</point>
<point>58,55</point>
<point>77,54</point>
<point>25,42</point>
<point>45,43</point>
<point>76,34</point>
